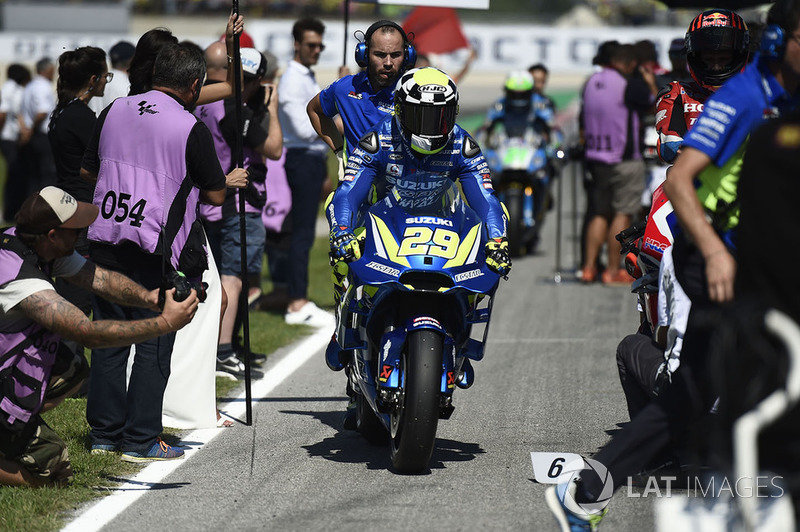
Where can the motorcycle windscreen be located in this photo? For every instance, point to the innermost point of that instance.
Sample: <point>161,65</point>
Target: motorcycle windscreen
<point>427,194</point>
<point>428,120</point>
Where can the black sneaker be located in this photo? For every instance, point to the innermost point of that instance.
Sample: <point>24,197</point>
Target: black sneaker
<point>235,367</point>
<point>256,359</point>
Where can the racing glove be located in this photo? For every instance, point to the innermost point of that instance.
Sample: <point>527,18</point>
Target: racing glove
<point>497,258</point>
<point>344,245</point>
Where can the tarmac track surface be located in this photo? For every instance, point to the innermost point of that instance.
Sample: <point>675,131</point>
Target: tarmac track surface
<point>548,382</point>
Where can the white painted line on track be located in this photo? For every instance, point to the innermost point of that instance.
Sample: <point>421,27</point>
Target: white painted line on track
<point>101,513</point>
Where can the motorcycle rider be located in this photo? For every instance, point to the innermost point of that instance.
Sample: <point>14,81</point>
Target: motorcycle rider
<point>421,141</point>
<point>714,53</point>
<point>522,113</point>
<point>519,108</point>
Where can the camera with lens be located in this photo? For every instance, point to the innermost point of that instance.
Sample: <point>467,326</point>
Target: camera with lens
<point>183,288</point>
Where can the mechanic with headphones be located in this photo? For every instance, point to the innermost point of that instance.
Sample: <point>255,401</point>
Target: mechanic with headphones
<point>361,100</point>
<point>364,99</point>
<point>702,186</point>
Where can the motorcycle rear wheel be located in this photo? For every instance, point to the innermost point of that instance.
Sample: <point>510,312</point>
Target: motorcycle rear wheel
<point>414,421</point>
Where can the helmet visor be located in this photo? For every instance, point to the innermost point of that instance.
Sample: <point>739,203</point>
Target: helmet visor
<point>518,99</point>
<point>717,39</point>
<point>428,120</point>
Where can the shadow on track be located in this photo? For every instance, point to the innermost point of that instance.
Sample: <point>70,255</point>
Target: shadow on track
<point>348,446</point>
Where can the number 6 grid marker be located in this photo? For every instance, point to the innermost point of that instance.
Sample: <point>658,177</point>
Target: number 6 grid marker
<point>555,468</point>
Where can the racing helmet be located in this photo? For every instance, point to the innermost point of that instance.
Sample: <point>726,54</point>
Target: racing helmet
<point>425,107</point>
<point>519,90</point>
<point>716,30</point>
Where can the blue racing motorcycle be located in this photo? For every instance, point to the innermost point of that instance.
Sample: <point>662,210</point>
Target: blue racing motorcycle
<point>521,165</point>
<point>413,315</point>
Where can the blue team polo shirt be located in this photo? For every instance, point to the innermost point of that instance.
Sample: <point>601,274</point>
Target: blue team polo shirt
<point>736,110</point>
<point>354,99</point>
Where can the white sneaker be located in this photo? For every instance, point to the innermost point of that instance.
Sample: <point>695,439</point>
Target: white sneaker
<point>310,314</point>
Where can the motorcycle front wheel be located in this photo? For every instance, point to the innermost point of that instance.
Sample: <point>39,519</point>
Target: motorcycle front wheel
<point>414,421</point>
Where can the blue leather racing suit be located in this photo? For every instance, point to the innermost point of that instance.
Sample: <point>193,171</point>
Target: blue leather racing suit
<point>383,158</point>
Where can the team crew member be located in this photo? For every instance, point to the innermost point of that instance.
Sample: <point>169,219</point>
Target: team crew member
<point>39,370</point>
<point>364,99</point>
<point>148,193</point>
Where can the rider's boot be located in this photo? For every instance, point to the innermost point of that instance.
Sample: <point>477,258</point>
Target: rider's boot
<point>349,421</point>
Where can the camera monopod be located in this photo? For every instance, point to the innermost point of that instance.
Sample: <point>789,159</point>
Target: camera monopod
<point>238,157</point>
<point>346,22</point>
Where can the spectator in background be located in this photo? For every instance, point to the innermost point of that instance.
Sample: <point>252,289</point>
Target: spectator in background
<point>38,101</point>
<point>306,166</point>
<point>541,101</point>
<point>677,58</point>
<point>276,219</point>
<point>613,152</point>
<point>603,56</point>
<point>119,85</point>
<point>647,55</point>
<point>12,126</point>
<point>34,319</point>
<point>82,75</point>
<point>641,93</point>
<point>261,138</point>
<point>600,61</point>
<point>140,72</point>
<point>151,227</point>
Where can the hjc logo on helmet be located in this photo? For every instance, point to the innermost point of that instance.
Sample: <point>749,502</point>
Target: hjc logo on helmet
<point>433,88</point>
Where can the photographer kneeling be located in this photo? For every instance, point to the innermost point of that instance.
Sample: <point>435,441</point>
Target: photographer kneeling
<point>37,372</point>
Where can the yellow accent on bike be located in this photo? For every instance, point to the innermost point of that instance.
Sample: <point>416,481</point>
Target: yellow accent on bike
<point>389,243</point>
<point>465,248</point>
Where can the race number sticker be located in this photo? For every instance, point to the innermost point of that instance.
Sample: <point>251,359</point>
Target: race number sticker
<point>425,241</point>
<point>555,468</point>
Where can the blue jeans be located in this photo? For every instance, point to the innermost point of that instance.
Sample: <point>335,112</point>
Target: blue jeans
<point>129,419</point>
<point>224,239</point>
<point>306,171</point>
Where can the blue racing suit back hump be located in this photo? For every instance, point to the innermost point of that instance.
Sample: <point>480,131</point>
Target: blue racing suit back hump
<point>384,159</point>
